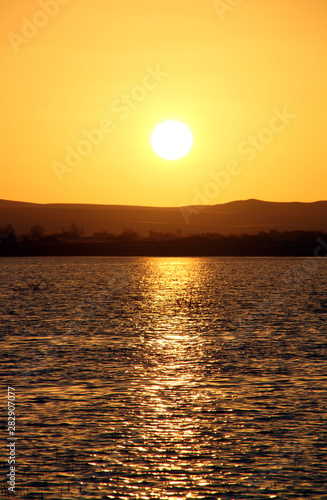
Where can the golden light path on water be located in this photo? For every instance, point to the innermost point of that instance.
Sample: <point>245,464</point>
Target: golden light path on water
<point>170,388</point>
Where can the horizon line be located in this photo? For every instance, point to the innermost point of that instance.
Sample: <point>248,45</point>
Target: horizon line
<point>160,207</point>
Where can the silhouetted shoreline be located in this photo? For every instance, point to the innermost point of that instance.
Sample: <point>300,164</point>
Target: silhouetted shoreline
<point>297,244</point>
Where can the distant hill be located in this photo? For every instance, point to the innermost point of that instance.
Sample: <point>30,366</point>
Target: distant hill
<point>237,217</point>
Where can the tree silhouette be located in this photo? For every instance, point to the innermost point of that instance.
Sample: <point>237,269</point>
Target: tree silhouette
<point>128,235</point>
<point>8,229</point>
<point>75,230</point>
<point>37,232</point>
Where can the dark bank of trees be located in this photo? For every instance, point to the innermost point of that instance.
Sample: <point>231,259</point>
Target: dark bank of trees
<point>7,229</point>
<point>72,241</point>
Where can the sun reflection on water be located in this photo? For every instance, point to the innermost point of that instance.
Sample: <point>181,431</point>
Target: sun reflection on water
<point>169,386</point>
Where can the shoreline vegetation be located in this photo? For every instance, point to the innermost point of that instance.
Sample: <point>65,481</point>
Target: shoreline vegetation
<point>71,242</point>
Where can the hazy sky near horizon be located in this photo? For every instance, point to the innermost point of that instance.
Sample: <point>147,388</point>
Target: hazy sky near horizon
<point>85,83</point>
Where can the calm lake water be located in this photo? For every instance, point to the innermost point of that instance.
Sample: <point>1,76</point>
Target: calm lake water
<point>143,378</point>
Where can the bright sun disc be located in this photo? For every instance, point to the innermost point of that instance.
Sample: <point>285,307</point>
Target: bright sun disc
<point>171,140</point>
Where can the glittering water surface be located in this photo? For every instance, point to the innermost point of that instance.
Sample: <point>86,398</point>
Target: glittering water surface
<point>140,378</point>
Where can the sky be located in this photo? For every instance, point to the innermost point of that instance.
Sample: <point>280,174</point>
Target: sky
<point>85,83</point>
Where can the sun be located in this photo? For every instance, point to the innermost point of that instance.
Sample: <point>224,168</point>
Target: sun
<point>171,140</point>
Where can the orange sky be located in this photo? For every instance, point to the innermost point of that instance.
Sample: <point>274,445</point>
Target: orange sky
<point>248,78</point>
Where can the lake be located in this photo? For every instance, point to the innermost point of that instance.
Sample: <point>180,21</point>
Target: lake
<point>166,378</point>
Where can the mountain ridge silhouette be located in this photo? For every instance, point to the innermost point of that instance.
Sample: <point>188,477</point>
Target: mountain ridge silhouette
<point>236,217</point>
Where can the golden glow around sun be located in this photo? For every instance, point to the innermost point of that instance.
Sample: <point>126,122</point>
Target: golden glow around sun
<point>171,140</point>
